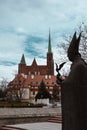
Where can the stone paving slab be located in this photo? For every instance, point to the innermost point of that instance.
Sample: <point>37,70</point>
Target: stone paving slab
<point>38,126</point>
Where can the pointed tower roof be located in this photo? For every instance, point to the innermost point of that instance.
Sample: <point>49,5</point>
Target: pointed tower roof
<point>22,60</point>
<point>49,43</point>
<point>34,62</point>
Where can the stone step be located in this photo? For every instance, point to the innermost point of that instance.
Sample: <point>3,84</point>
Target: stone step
<point>56,119</point>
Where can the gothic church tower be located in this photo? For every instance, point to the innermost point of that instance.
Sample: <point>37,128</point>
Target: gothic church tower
<point>36,69</point>
<point>50,61</point>
<point>22,65</point>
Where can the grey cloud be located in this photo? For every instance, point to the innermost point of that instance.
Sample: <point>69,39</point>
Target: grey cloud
<point>7,63</point>
<point>20,19</point>
<point>34,45</point>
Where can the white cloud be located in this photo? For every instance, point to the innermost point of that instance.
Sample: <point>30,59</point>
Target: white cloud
<point>11,46</point>
<point>8,72</point>
<point>22,18</point>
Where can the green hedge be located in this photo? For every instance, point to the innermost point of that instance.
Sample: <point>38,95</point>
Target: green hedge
<point>18,105</point>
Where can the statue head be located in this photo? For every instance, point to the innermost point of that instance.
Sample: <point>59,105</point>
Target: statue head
<point>73,50</point>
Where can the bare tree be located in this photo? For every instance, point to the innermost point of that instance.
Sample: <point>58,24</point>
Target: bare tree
<point>83,43</point>
<point>16,88</point>
<point>83,46</point>
<point>3,88</point>
<point>3,83</point>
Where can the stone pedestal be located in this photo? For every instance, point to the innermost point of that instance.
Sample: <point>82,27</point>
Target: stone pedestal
<point>74,106</point>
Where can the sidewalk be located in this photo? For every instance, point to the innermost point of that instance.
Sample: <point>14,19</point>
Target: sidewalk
<point>38,126</point>
<point>9,116</point>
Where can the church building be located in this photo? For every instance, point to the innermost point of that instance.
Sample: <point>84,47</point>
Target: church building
<point>30,77</point>
<point>35,69</point>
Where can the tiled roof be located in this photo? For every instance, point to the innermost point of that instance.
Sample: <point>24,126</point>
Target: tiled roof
<point>38,78</point>
<point>34,79</point>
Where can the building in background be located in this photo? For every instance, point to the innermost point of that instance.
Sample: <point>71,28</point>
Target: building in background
<point>28,79</point>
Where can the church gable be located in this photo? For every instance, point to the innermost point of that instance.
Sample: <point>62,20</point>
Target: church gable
<point>34,63</point>
<point>36,69</point>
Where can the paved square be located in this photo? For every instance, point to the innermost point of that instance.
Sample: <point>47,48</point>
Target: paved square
<point>39,126</point>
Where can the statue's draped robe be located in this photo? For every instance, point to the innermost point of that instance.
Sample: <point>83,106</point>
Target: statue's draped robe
<point>74,97</point>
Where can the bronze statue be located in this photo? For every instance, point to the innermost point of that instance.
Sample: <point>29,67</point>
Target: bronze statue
<point>74,90</point>
<point>78,73</point>
<point>59,77</point>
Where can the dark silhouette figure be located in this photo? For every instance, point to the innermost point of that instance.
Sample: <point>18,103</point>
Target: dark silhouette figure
<point>59,77</point>
<point>74,90</point>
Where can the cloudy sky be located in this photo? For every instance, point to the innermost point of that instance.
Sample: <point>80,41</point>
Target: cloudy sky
<point>24,29</point>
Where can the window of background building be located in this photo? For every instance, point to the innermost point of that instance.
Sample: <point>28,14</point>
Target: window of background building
<point>46,76</point>
<point>29,73</point>
<point>49,76</point>
<point>35,73</point>
<point>38,73</point>
<point>32,76</point>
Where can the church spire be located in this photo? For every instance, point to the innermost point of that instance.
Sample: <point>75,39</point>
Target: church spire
<point>22,60</point>
<point>49,43</point>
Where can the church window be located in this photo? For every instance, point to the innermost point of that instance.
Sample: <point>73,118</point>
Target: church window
<point>38,73</point>
<point>32,76</point>
<point>29,73</point>
<point>35,92</point>
<point>50,92</point>
<point>51,87</point>
<point>46,76</point>
<point>35,73</point>
<point>49,76</point>
<point>25,76</point>
<point>22,74</point>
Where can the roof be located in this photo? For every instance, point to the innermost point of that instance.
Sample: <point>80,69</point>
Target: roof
<point>34,63</point>
<point>26,81</point>
<point>37,79</point>
<point>22,60</point>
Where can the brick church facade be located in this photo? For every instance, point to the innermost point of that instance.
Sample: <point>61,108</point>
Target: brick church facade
<point>35,69</point>
<point>31,76</point>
